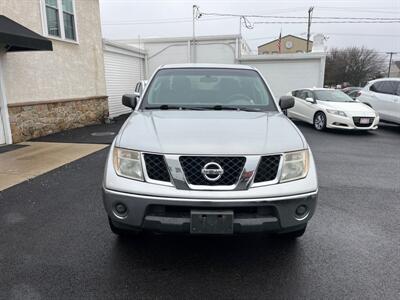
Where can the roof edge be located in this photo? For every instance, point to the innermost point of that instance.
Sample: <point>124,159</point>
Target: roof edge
<point>180,39</point>
<point>295,36</point>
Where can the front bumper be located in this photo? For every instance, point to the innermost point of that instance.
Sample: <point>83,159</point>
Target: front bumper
<point>165,214</point>
<point>347,123</point>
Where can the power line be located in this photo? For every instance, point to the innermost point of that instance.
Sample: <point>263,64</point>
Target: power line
<point>161,21</point>
<point>223,16</point>
<point>327,22</point>
<point>333,33</point>
<point>374,10</point>
<point>299,17</point>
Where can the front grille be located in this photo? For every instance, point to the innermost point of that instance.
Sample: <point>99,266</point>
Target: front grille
<point>156,167</point>
<point>356,121</point>
<point>267,168</point>
<point>192,166</point>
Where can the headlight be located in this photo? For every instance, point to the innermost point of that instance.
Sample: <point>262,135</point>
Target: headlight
<point>295,165</point>
<point>127,163</point>
<point>337,112</point>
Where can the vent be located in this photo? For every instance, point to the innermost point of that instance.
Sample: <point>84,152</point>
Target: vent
<point>268,168</point>
<point>156,167</point>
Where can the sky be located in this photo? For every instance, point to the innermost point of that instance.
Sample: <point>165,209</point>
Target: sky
<point>122,19</point>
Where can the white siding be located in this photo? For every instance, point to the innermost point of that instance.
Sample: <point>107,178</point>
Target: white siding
<point>166,53</point>
<point>122,73</point>
<point>288,72</point>
<point>169,51</point>
<point>219,52</point>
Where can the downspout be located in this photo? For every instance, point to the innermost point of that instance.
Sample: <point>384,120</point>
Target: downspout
<point>189,50</point>
<point>146,66</point>
<point>237,51</point>
<point>3,100</point>
<point>322,70</point>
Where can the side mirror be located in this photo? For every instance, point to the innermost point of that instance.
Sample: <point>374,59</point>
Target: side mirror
<point>130,100</point>
<point>286,102</point>
<point>309,99</point>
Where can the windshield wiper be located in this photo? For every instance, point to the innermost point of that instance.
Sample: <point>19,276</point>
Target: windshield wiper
<point>215,107</point>
<point>164,107</point>
<point>168,106</point>
<point>225,107</point>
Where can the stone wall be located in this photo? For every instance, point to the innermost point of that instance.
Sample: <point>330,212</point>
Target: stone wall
<point>35,119</point>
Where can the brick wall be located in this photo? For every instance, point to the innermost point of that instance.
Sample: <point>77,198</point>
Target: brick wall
<point>31,120</point>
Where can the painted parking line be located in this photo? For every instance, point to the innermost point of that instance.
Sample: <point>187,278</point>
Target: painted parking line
<point>38,158</point>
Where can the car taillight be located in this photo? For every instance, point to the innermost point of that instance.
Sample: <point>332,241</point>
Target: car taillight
<point>358,94</point>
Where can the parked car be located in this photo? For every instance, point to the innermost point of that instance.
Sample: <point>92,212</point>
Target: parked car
<point>383,95</point>
<point>207,150</point>
<point>352,91</point>
<point>331,108</point>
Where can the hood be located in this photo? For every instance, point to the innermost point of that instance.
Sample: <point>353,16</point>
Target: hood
<point>350,107</point>
<point>210,132</point>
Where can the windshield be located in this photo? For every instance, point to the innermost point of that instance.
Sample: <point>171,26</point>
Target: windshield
<point>332,96</point>
<point>208,88</point>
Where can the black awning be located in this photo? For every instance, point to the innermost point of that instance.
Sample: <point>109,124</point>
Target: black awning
<point>19,38</point>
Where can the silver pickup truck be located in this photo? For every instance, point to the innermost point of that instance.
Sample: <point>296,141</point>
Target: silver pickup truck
<point>208,150</point>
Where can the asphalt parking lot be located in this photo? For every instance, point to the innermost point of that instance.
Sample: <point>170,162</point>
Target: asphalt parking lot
<point>55,241</point>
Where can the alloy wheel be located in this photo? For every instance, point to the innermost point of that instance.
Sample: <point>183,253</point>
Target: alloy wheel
<point>320,121</point>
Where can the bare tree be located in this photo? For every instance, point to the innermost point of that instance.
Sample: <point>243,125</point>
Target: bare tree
<point>354,65</point>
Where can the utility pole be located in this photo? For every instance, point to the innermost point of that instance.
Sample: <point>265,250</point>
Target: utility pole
<point>390,61</point>
<point>239,42</point>
<point>193,56</point>
<point>310,10</point>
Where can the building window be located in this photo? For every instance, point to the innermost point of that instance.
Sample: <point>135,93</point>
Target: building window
<point>60,19</point>
<point>69,19</point>
<point>53,21</point>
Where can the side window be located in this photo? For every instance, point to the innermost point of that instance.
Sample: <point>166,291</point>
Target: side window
<point>353,93</point>
<point>309,94</point>
<point>375,87</point>
<point>302,95</point>
<point>388,87</point>
<point>385,87</point>
<point>396,87</point>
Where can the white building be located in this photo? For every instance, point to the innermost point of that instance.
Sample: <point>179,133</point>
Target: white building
<point>207,49</point>
<point>128,61</point>
<point>48,91</point>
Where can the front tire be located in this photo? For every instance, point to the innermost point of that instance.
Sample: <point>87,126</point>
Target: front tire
<point>320,121</point>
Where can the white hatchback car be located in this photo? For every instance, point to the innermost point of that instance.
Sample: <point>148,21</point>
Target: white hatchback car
<point>329,108</point>
<point>383,95</point>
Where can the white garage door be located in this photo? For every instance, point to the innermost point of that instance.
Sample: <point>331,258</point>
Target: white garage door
<point>289,72</point>
<point>122,73</point>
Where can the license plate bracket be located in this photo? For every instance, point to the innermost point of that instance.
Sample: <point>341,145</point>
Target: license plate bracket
<point>364,120</point>
<point>211,222</point>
